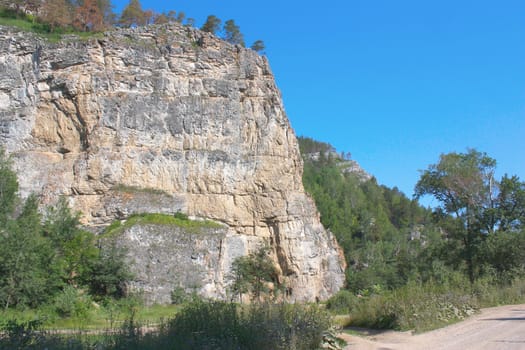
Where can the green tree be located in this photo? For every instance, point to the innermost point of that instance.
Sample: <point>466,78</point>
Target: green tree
<point>510,212</point>
<point>160,18</point>
<point>180,17</point>
<point>373,224</point>
<point>26,259</point>
<point>38,260</point>
<point>258,46</point>
<point>212,24</point>
<point>480,206</point>
<point>253,274</point>
<point>108,273</point>
<point>232,33</point>
<point>8,188</point>
<point>133,15</point>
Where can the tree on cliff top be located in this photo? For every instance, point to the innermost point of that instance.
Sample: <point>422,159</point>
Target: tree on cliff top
<point>232,33</point>
<point>133,15</point>
<point>212,25</point>
<point>89,17</point>
<point>258,46</point>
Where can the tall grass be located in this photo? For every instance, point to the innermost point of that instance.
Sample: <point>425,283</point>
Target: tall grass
<point>198,325</point>
<point>424,306</point>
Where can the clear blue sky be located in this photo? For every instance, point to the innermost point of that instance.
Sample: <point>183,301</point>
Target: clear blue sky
<point>396,83</point>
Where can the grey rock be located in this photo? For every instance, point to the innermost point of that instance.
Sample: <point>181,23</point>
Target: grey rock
<point>193,123</point>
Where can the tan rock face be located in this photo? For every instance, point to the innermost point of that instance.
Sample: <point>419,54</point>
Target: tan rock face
<point>171,109</point>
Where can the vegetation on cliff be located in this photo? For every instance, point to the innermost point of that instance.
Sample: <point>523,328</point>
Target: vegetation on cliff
<point>92,16</point>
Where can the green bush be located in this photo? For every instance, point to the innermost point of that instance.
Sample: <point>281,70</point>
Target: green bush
<point>415,306</point>
<point>72,303</point>
<point>342,302</point>
<point>180,296</point>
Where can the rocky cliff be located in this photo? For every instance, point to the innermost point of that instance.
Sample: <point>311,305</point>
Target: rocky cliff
<point>166,119</point>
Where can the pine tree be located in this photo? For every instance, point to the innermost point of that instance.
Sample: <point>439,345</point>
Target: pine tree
<point>133,15</point>
<point>232,33</point>
<point>258,46</point>
<point>212,24</point>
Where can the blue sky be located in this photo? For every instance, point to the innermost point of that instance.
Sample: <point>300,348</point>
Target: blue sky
<point>396,83</point>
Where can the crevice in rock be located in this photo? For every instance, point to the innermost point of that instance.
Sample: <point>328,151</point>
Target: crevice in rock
<point>279,250</point>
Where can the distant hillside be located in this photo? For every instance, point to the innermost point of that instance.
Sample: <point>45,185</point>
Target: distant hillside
<point>320,151</point>
<point>379,228</point>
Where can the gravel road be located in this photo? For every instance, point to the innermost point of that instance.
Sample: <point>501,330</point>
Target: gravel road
<point>493,329</point>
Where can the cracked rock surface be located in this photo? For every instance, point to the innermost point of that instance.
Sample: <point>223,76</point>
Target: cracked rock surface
<point>166,119</point>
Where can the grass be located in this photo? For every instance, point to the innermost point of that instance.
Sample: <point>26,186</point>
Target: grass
<point>99,318</point>
<point>136,189</point>
<point>179,219</point>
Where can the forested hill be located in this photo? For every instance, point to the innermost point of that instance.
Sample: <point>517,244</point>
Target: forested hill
<point>379,228</point>
<point>390,240</point>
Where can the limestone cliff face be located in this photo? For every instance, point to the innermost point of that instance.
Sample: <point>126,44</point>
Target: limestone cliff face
<point>166,119</point>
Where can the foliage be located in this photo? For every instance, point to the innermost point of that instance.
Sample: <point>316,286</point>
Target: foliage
<point>212,24</point>
<point>180,296</point>
<point>8,188</point>
<point>198,325</point>
<point>258,46</point>
<point>232,33</point>
<point>71,302</point>
<point>380,230</point>
<point>29,23</point>
<point>65,16</point>
<point>414,306</point>
<point>25,258</point>
<point>389,240</point>
<point>261,326</point>
<point>89,16</point>
<point>133,15</point>
<point>479,208</point>
<point>254,274</point>
<point>56,14</point>
<point>107,274</point>
<point>43,258</point>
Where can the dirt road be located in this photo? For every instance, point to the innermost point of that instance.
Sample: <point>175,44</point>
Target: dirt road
<point>492,329</point>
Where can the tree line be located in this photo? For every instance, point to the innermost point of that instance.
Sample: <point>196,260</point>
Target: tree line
<point>98,15</point>
<point>477,231</point>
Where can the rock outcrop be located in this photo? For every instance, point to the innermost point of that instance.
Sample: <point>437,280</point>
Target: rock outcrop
<point>166,119</point>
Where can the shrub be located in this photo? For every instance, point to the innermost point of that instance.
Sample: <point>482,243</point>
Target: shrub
<point>342,302</point>
<point>415,306</point>
<point>72,303</point>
